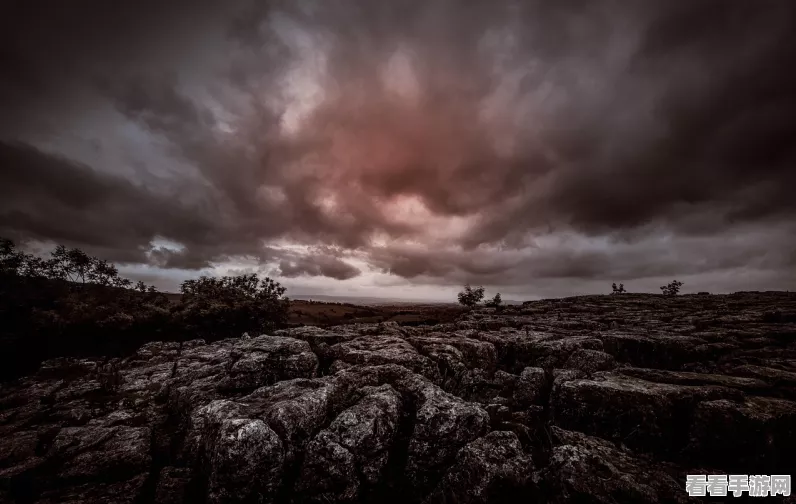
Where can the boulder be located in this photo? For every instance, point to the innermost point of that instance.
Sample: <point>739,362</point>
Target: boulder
<point>493,468</point>
<point>532,387</point>
<point>590,470</point>
<point>353,451</point>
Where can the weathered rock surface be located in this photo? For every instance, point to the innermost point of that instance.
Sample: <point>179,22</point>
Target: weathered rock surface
<point>350,456</point>
<point>589,469</point>
<point>604,399</point>
<point>493,468</point>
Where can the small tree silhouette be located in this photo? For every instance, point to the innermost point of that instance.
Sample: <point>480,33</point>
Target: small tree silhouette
<point>11,260</point>
<point>34,266</point>
<point>495,302</point>
<point>672,288</point>
<point>470,297</point>
<point>618,290</point>
<point>102,272</point>
<point>72,265</point>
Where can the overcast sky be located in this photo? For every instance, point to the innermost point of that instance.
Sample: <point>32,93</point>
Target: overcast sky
<point>400,149</point>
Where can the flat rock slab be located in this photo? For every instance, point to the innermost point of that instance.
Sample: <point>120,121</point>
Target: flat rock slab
<point>647,416</point>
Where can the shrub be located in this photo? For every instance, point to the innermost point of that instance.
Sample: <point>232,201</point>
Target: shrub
<point>219,307</point>
<point>470,297</point>
<point>618,290</point>
<point>496,302</point>
<point>76,305</point>
<point>11,260</point>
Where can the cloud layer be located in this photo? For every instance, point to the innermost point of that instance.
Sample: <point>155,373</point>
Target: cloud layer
<point>535,146</point>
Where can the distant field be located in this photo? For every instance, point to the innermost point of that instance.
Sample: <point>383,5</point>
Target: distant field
<point>326,313</point>
<point>322,313</point>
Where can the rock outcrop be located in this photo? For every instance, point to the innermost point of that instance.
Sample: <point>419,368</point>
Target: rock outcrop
<point>604,399</point>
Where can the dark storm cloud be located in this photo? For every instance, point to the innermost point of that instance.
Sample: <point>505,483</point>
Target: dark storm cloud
<point>616,120</point>
<point>48,197</point>
<point>610,259</point>
<point>318,266</point>
<point>190,258</point>
<point>698,121</point>
<point>51,52</point>
<point>656,113</point>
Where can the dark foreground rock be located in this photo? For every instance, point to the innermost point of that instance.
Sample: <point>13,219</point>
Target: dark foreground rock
<point>607,399</point>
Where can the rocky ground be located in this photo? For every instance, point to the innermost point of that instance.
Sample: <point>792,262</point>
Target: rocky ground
<point>606,399</point>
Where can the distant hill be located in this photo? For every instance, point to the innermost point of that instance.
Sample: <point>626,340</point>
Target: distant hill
<point>363,300</point>
<point>379,301</point>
